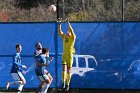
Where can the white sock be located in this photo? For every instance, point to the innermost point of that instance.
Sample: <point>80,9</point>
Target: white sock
<point>16,83</point>
<point>20,87</point>
<point>45,88</point>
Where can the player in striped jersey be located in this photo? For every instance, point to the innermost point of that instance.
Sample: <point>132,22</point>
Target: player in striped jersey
<point>16,71</point>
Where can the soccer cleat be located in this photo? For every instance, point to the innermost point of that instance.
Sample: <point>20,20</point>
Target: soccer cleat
<point>67,88</point>
<point>7,85</point>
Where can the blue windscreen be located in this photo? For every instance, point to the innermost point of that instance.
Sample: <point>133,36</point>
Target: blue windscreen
<point>107,54</point>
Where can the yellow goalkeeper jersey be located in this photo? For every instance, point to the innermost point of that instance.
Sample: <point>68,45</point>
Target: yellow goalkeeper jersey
<point>68,44</point>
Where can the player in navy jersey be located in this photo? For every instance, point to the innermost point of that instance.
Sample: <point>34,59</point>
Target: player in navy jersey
<point>38,50</point>
<point>16,71</point>
<point>43,75</point>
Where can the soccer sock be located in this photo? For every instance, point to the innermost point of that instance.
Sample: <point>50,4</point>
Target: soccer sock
<point>68,78</point>
<point>16,83</point>
<point>20,87</point>
<point>38,89</point>
<point>45,88</point>
<point>18,91</point>
<point>64,77</point>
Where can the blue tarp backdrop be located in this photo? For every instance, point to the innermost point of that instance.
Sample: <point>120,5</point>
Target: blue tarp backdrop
<point>107,54</point>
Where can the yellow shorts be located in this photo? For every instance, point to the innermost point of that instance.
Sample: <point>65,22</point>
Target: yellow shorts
<point>67,59</point>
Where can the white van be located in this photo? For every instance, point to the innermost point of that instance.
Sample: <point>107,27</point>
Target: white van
<point>82,64</point>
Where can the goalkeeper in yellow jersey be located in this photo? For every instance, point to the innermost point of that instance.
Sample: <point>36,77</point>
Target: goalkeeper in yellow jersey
<point>68,51</point>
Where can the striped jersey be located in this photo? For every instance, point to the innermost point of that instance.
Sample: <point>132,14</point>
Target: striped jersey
<point>16,65</point>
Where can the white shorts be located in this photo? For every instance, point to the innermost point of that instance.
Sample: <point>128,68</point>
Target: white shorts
<point>17,76</point>
<point>43,77</point>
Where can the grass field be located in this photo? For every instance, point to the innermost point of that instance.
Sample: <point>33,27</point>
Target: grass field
<point>85,91</point>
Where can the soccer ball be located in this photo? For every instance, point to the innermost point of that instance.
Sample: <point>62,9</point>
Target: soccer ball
<point>52,8</point>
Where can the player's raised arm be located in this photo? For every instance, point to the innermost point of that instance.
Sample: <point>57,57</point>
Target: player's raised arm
<point>46,64</point>
<point>70,29</point>
<point>60,28</point>
<point>51,59</point>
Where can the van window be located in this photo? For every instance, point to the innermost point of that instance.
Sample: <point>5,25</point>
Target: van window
<point>74,62</point>
<point>91,63</point>
<point>81,62</point>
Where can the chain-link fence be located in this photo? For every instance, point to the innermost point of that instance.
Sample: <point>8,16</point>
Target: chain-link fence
<point>91,10</point>
<point>77,10</point>
<point>132,10</point>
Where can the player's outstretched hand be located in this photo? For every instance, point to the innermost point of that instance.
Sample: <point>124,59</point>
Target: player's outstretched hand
<point>51,58</point>
<point>23,66</point>
<point>67,20</point>
<point>24,72</point>
<point>47,63</point>
<point>59,20</point>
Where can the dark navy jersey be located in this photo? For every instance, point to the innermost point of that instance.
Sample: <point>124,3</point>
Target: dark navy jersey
<point>40,70</point>
<point>37,53</point>
<point>16,65</point>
